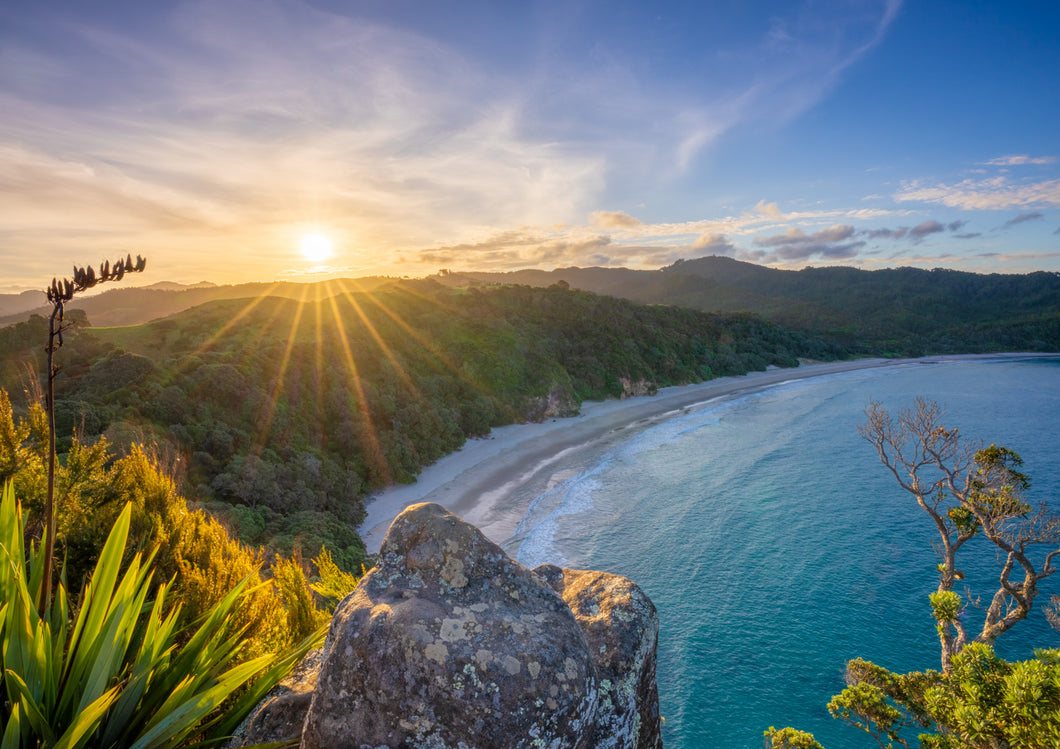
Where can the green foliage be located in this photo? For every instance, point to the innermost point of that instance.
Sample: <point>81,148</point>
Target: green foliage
<point>191,547</point>
<point>12,437</point>
<point>983,703</point>
<point>997,487</point>
<point>988,702</point>
<point>790,738</point>
<point>334,583</point>
<point>946,606</point>
<point>979,701</point>
<point>890,312</point>
<point>303,617</point>
<point>120,672</point>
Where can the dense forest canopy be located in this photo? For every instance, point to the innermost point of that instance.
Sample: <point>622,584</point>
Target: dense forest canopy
<point>282,414</point>
<point>890,312</point>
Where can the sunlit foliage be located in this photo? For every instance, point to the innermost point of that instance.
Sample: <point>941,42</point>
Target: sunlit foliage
<point>191,548</point>
<point>119,669</point>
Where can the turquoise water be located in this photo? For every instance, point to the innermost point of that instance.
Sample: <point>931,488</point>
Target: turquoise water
<point>776,547</point>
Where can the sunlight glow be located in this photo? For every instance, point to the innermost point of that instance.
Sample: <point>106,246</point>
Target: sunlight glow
<point>316,248</point>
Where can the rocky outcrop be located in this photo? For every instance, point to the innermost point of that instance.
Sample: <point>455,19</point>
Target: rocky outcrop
<point>448,642</point>
<point>621,627</point>
<point>280,715</point>
<point>638,388</point>
<point>560,401</point>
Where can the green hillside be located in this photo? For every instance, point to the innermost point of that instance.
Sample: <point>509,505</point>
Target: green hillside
<point>892,312</point>
<point>283,415</point>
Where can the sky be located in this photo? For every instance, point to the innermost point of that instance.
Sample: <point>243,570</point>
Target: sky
<point>408,136</point>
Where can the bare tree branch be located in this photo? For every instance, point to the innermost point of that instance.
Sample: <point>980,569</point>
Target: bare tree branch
<point>967,490</point>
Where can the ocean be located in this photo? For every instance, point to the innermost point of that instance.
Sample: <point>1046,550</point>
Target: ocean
<point>776,547</point>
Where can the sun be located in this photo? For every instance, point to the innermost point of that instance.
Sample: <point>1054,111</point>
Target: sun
<point>316,248</point>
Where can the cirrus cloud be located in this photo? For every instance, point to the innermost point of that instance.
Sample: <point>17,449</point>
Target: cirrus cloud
<point>995,193</point>
<point>1020,160</point>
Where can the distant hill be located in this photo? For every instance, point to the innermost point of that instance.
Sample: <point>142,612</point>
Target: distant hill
<point>16,304</point>
<point>173,286</point>
<point>900,311</point>
<point>137,305</point>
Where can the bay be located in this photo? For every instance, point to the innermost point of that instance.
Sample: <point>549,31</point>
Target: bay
<point>776,547</point>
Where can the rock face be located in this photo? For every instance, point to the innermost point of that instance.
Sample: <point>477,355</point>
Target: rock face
<point>631,389</point>
<point>449,643</point>
<point>621,627</point>
<point>559,401</point>
<point>280,715</point>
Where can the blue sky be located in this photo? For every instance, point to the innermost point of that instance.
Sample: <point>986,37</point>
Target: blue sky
<point>212,136</point>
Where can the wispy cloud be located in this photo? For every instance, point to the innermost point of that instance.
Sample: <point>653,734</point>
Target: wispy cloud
<point>795,244</point>
<point>282,117</point>
<point>1020,160</point>
<point>994,193</point>
<point>802,56</point>
<point>1023,218</point>
<point>514,249</point>
<point>714,244</point>
<point>898,233</point>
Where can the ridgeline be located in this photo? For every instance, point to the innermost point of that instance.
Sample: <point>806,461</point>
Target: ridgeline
<point>891,312</point>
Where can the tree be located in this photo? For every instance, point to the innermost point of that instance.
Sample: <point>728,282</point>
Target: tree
<point>978,700</point>
<point>968,490</point>
<point>59,293</point>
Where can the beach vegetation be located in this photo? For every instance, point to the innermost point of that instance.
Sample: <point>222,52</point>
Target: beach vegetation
<point>191,547</point>
<point>968,491</point>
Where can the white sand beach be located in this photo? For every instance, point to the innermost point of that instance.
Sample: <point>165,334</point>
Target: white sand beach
<point>491,481</point>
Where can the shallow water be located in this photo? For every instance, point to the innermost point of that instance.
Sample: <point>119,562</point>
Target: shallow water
<point>776,547</point>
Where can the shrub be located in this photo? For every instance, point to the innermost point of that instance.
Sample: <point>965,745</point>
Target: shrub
<point>120,672</point>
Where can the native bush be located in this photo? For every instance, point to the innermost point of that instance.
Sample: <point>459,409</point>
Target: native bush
<point>120,671</point>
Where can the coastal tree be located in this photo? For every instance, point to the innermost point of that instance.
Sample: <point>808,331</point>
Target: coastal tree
<point>968,490</point>
<point>978,699</point>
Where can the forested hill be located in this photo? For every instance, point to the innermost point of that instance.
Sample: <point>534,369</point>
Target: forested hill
<point>285,413</point>
<point>900,311</point>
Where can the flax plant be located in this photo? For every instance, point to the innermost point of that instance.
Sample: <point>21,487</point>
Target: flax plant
<point>118,672</point>
<point>59,294</point>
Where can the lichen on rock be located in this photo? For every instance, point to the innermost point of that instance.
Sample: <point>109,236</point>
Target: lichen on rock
<point>621,627</point>
<point>447,642</point>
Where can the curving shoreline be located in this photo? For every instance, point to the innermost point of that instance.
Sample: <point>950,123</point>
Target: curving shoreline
<point>491,481</point>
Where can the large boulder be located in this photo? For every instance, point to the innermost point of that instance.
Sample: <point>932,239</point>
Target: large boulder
<point>622,628</point>
<point>447,642</point>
